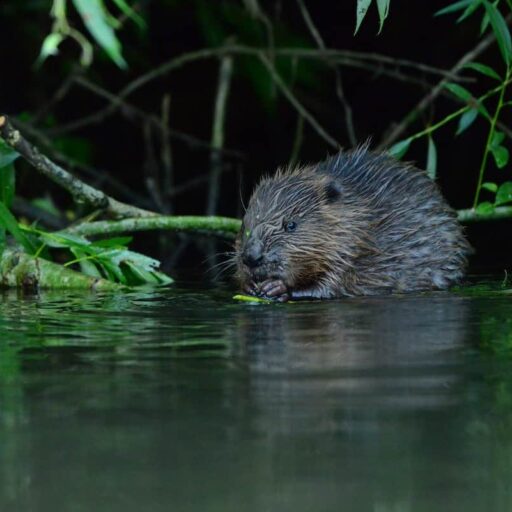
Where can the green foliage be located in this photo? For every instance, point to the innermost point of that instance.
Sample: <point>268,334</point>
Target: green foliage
<point>10,224</point>
<point>7,155</point>
<point>485,70</point>
<point>362,9</point>
<point>431,166</point>
<point>504,194</point>
<point>110,258</point>
<point>500,29</point>
<point>98,21</point>
<point>475,108</point>
<point>399,149</point>
<point>101,27</point>
<point>466,120</point>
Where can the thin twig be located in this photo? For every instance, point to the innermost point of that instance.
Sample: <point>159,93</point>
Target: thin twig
<point>166,153</point>
<point>100,115</point>
<point>297,142</point>
<point>362,60</point>
<point>349,120</point>
<point>288,94</point>
<point>151,168</point>
<point>218,128</point>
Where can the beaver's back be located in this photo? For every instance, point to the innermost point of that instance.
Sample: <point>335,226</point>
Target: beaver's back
<point>358,223</point>
<point>420,244</point>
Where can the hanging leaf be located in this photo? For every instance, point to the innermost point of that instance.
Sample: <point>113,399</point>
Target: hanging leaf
<point>501,156</point>
<point>499,152</point>
<point>500,29</point>
<point>361,10</point>
<point>491,187</point>
<point>470,9</point>
<point>456,6</point>
<point>466,120</point>
<point>9,223</point>
<point>399,149</point>
<point>383,7</point>
<point>482,68</point>
<point>484,24</point>
<point>459,91</point>
<point>497,138</point>
<point>50,47</point>
<point>94,16</point>
<point>504,194</point>
<point>431,159</point>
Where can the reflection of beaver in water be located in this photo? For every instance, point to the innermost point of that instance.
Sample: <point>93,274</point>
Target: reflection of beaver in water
<point>358,223</point>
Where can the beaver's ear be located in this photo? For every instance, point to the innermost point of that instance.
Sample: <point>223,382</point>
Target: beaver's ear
<point>332,191</point>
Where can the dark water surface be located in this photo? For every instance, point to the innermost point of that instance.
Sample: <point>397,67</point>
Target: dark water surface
<point>183,400</point>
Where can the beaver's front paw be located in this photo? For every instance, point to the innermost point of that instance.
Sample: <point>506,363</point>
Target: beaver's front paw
<point>274,289</point>
<point>251,288</point>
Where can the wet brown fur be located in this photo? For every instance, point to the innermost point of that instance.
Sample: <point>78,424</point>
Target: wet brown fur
<point>366,225</point>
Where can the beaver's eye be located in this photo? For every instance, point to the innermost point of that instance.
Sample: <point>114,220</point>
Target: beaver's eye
<point>290,226</point>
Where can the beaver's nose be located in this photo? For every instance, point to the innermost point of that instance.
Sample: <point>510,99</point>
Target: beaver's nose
<point>253,254</point>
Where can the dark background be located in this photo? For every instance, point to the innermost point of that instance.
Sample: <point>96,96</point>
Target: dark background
<point>260,127</point>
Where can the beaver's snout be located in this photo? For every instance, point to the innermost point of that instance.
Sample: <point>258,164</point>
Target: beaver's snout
<point>252,254</point>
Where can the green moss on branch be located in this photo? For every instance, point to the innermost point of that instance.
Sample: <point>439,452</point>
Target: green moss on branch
<point>20,270</point>
<point>224,227</point>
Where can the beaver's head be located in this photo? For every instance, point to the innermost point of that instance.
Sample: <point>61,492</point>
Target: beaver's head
<point>298,225</point>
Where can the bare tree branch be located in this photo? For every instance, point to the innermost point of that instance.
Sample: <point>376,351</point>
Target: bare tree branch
<point>80,191</point>
<point>349,120</point>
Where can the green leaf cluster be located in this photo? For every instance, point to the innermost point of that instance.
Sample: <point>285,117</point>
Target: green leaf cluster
<point>502,196</point>
<point>109,259</point>
<point>99,23</point>
<point>474,108</point>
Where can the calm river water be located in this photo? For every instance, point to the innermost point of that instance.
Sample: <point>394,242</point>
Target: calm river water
<point>184,400</point>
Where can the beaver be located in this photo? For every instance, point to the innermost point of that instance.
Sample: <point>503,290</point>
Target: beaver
<point>358,223</point>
